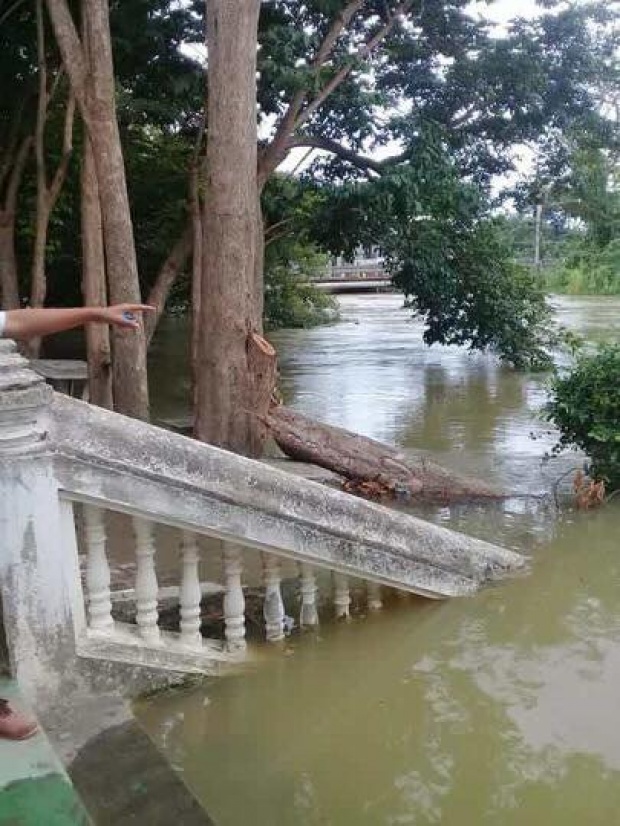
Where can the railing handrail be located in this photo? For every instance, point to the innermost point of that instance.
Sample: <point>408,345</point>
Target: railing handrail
<point>139,451</point>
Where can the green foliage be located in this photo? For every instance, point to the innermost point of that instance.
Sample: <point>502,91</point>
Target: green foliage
<point>587,270</point>
<point>473,295</point>
<point>292,256</point>
<point>446,254</point>
<point>585,407</point>
<point>290,300</point>
<point>488,90</point>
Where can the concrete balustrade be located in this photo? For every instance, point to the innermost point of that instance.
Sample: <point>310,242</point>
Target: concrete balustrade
<point>60,457</point>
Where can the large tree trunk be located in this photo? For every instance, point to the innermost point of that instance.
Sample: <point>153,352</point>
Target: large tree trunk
<point>197,260</point>
<point>360,459</point>
<point>91,73</point>
<point>226,387</point>
<point>259,265</point>
<point>94,284</point>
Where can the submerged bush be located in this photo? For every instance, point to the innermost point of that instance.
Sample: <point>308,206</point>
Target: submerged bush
<point>290,299</point>
<point>585,407</point>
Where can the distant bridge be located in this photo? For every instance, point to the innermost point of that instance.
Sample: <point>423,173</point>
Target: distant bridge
<point>353,285</point>
<point>360,277</point>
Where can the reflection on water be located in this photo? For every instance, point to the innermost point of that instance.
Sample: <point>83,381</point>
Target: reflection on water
<point>500,709</point>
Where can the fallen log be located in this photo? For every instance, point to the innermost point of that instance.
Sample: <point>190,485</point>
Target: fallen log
<point>366,462</point>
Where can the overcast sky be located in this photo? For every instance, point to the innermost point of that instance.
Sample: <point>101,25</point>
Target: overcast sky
<point>504,10</point>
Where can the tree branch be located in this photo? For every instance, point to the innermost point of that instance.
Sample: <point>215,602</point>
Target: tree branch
<point>12,141</point>
<point>16,174</point>
<point>340,23</point>
<point>272,155</point>
<point>333,147</point>
<point>39,135</point>
<point>67,151</point>
<point>166,277</point>
<point>270,230</point>
<point>71,51</point>
<point>55,83</point>
<point>295,116</point>
<point>4,17</point>
<point>363,52</point>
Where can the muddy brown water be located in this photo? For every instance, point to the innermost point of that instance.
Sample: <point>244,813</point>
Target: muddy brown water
<point>499,709</point>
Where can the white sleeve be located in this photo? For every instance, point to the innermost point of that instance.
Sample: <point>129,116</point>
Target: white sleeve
<point>2,322</point>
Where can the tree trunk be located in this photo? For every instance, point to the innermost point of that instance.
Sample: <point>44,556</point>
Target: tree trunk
<point>169,272</point>
<point>94,284</point>
<point>91,74</point>
<point>129,373</point>
<point>38,286</point>
<point>226,388</point>
<point>9,285</point>
<point>196,286</point>
<point>259,266</point>
<point>9,292</point>
<point>360,459</point>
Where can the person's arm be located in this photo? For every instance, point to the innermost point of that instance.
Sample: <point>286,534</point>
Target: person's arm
<point>24,324</point>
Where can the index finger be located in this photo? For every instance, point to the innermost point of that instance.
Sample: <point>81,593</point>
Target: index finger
<point>139,308</point>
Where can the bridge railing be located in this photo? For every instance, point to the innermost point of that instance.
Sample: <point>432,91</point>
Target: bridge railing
<point>68,469</point>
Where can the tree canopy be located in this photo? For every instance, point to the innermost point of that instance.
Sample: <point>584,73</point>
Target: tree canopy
<point>415,109</point>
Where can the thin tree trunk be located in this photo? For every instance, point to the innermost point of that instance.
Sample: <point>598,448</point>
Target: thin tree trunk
<point>91,74</point>
<point>9,292</point>
<point>37,279</point>
<point>47,195</point>
<point>169,272</point>
<point>94,284</point>
<point>9,285</point>
<point>130,385</point>
<point>225,387</point>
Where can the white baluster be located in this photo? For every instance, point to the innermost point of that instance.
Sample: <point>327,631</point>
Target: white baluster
<point>308,616</point>
<point>97,571</point>
<point>146,581</point>
<point>373,592</point>
<point>342,599</point>
<point>273,607</point>
<point>234,601</point>
<point>190,594</point>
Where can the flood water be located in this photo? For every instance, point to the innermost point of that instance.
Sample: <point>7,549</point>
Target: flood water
<point>494,710</point>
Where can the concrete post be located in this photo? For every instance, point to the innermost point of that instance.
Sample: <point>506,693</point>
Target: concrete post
<point>42,599</point>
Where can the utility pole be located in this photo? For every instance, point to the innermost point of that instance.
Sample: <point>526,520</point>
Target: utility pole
<point>537,231</point>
